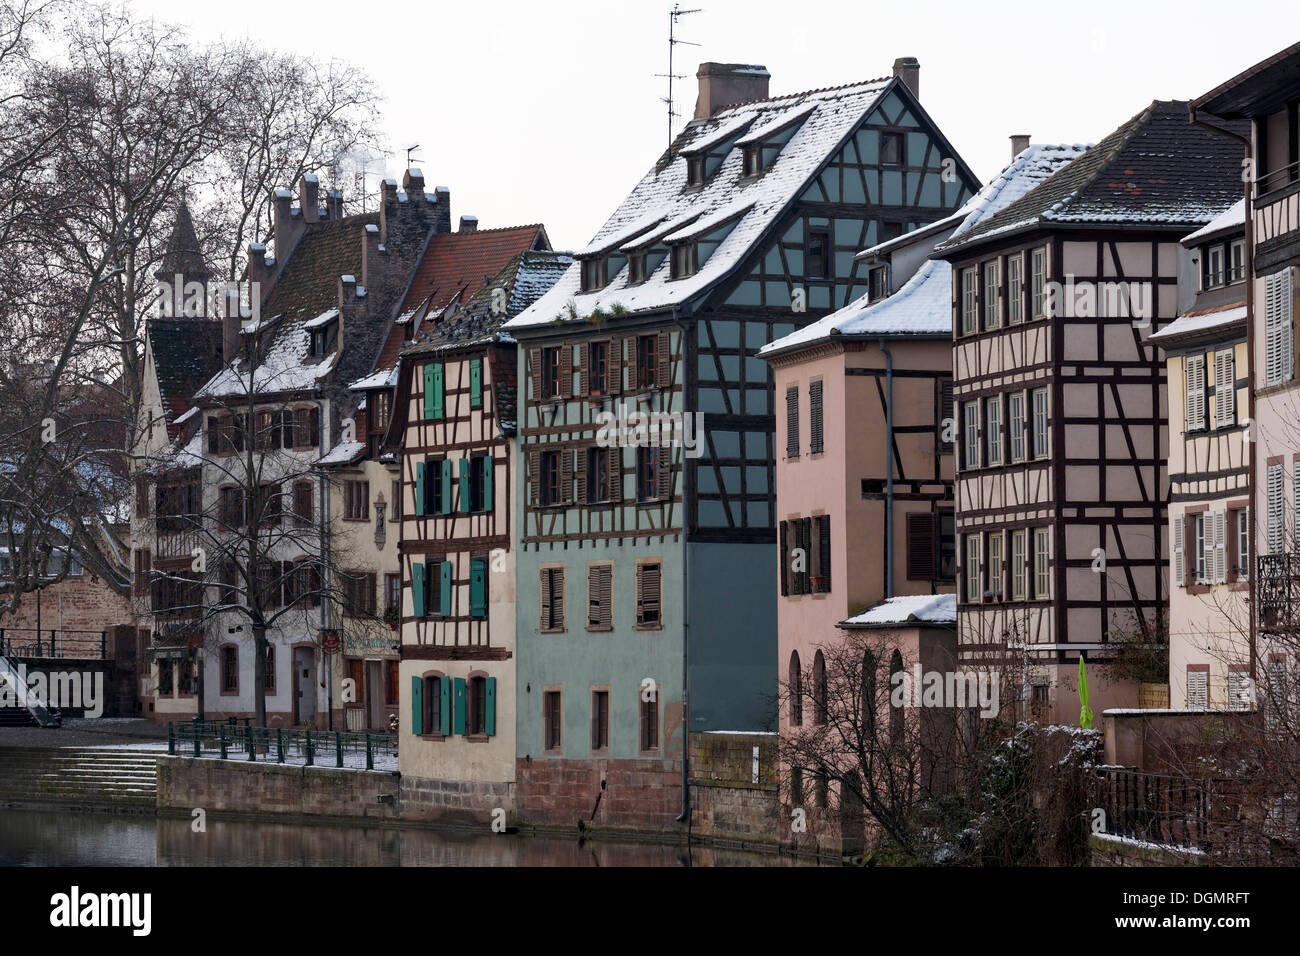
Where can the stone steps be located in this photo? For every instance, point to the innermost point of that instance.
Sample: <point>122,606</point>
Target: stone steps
<point>78,776</point>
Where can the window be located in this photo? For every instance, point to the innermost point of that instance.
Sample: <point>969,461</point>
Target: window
<point>551,722</point>
<point>891,149</point>
<point>636,268</point>
<point>187,683</point>
<point>268,669</point>
<point>143,569</point>
<point>393,592</point>
<point>796,690</point>
<point>395,497</point>
<point>478,705</point>
<point>599,720</point>
<point>970,433</point>
<point>648,463</point>
<point>1278,334</point>
<point>1225,389</point>
<point>818,263</point>
<point>1239,523</point>
<point>1015,289</point>
<point>1274,502</point>
<point>230,507</point>
<point>792,422</point>
<point>992,296</point>
<point>1240,695</point>
<point>695,171</point>
<point>477,487</point>
<point>1040,422</point>
<point>993,429</point>
<point>434,691</point>
<point>1237,261</point>
<point>1038,282</point>
<point>877,283</point>
<point>1016,424</point>
<point>552,589</point>
<point>549,479</point>
<point>971,571</point>
<point>359,593</point>
<point>268,505</point>
<point>820,554</point>
<point>229,669</point>
<point>165,677</point>
<point>598,368</point>
<point>1201,558</point>
<point>478,587</point>
<point>380,406</point>
<point>1042,545</point>
<point>647,355</point>
<point>302,504</point>
<point>323,338</point>
<point>970,315</point>
<point>649,722</point>
<point>1194,371</point>
<point>947,544</point>
<point>922,557</point>
<point>550,372</point>
<point>1198,687</point>
<point>356,500</point>
<point>815,417</point>
<point>597,476</point>
<point>593,275</point>
<point>648,595</point>
<point>753,160</point>
<point>1212,267</point>
<point>895,713</point>
<point>683,261</point>
<point>819,689</point>
<point>995,565</point>
<point>600,613</point>
<point>1019,552</point>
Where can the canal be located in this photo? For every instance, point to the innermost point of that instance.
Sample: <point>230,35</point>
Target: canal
<point>41,838</point>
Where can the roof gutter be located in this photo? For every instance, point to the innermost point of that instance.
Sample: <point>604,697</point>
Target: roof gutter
<point>889,470</point>
<point>685,815</point>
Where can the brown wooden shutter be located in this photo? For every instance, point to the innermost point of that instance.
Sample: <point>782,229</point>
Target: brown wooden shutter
<point>606,597</point>
<point>566,369</point>
<point>544,591</point>
<point>614,366</point>
<point>627,367</point>
<point>533,372</point>
<point>922,553</point>
<point>580,478</point>
<point>664,461</point>
<point>566,474</point>
<point>823,524</point>
<point>614,468</point>
<point>785,557</point>
<point>815,417</point>
<point>792,422</point>
<point>313,418</point>
<point>534,478</point>
<point>557,597</point>
<point>661,361</point>
<point>647,594</point>
<point>585,388</point>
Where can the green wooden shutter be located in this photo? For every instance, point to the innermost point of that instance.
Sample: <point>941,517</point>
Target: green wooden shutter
<point>464,484</point>
<point>490,711</point>
<point>459,715</point>
<point>446,486</point>
<point>419,488</point>
<point>476,383</point>
<point>437,390</point>
<point>446,589</point>
<point>417,705</point>
<point>489,470</point>
<point>429,389</point>
<point>444,706</point>
<point>478,588</point>
<point>417,588</point>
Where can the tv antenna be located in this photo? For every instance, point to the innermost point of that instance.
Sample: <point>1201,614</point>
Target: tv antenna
<point>673,14</point>
<point>409,151</point>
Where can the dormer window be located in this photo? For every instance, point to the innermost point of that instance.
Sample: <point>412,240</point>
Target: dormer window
<point>892,152</point>
<point>593,275</point>
<point>323,339</point>
<point>636,271</point>
<point>684,261</point>
<point>753,160</point>
<point>1223,263</point>
<point>695,171</point>
<point>877,283</point>
<point>1237,261</point>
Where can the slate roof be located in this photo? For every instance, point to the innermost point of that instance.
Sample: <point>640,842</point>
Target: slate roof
<point>1157,169</point>
<point>1201,324</point>
<point>923,304</point>
<point>183,254</point>
<point>662,204</point>
<point>186,353</point>
<point>455,266</point>
<point>1233,220</point>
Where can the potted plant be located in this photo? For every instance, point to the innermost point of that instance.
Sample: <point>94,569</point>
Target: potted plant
<point>391,617</point>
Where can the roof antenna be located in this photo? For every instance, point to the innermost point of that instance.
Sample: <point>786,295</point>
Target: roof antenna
<point>409,151</point>
<point>673,14</point>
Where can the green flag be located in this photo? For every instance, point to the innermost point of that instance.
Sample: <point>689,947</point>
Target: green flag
<point>1085,712</point>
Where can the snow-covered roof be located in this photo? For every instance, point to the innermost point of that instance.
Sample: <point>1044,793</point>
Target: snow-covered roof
<point>1202,322</point>
<point>820,120</point>
<point>325,318</point>
<point>343,453</point>
<point>285,368</point>
<point>384,378</point>
<point>913,609</point>
<point>923,305</point>
<point>1232,218</point>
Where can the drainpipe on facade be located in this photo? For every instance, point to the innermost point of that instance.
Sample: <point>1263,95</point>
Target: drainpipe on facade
<point>889,470</point>
<point>685,816</point>
<point>324,559</point>
<point>1249,266</point>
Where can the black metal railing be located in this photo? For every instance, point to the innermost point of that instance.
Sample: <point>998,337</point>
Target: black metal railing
<point>237,739</point>
<point>1156,808</point>
<point>27,642</point>
<point>1277,590</point>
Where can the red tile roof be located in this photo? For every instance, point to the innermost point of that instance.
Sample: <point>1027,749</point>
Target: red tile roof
<point>459,264</point>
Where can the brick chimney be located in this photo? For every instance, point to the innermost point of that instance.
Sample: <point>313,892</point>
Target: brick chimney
<point>334,204</point>
<point>309,197</point>
<point>908,69</point>
<point>1019,143</point>
<point>726,84</point>
<point>413,185</point>
<point>441,209</point>
<point>469,223</point>
<point>287,225</point>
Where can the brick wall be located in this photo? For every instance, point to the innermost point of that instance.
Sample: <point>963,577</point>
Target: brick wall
<point>230,786</point>
<point>645,795</point>
<point>88,605</point>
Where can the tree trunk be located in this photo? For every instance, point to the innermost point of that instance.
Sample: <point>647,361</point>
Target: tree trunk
<point>259,673</point>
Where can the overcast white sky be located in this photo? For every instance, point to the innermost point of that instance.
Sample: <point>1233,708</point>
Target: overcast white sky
<point>550,111</point>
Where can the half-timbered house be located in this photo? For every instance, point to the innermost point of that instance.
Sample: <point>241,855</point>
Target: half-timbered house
<point>1209,471</point>
<point>454,427</point>
<point>647,515</point>
<point>1059,396</point>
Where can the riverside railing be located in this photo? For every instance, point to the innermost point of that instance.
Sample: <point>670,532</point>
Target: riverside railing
<point>238,739</point>
<point>28,642</point>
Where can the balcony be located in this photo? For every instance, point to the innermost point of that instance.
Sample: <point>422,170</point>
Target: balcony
<point>1278,590</point>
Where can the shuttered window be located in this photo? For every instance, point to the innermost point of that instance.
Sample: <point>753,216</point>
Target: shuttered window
<point>552,591</point>
<point>1278,334</point>
<point>922,557</point>
<point>1240,696</point>
<point>1015,289</point>
<point>600,720</point>
<point>792,422</point>
<point>785,557</point>
<point>648,595</point>
<point>970,435</point>
<point>1239,528</point>
<point>476,383</point>
<point>1040,423</point>
<point>815,417</point>
<point>1019,565</point>
<point>1042,563</point>
<point>821,526</point>
<point>1180,556</point>
<point>1225,389</point>
<point>1203,544</point>
<point>433,390</point>
<point>995,565</point>
<point>1016,424</point>
<point>971,569</point>
<point>478,587</point>
<point>947,413</point>
<point>1198,690</point>
<point>1219,546</point>
<point>650,722</point>
<point>552,723</point>
<point>970,315</point>
<point>993,429</point>
<point>1276,505</point>
<point>1038,282</point>
<point>1194,371</point>
<point>302,503</point>
<point>600,614</point>
<point>992,295</point>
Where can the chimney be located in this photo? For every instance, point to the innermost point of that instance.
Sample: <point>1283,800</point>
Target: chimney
<point>388,211</point>
<point>413,185</point>
<point>370,250</point>
<point>726,84</point>
<point>469,223</point>
<point>1019,143</point>
<point>908,69</point>
<point>441,209</point>
<point>309,197</point>
<point>287,225</point>
<point>334,204</point>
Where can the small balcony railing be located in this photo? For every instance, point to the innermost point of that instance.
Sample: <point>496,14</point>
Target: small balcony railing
<point>1277,590</point>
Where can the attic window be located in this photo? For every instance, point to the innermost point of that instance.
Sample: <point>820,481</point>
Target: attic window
<point>695,171</point>
<point>636,271</point>
<point>593,275</point>
<point>685,260</point>
<point>817,255</point>
<point>753,160</point>
<point>878,283</point>
<point>323,339</point>
<point>891,149</point>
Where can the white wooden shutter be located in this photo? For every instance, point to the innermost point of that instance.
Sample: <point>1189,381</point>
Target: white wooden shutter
<point>1180,565</point>
<point>1198,690</point>
<point>1220,567</point>
<point>1275,505</point>
<point>1225,389</point>
<point>1278,336</point>
<point>1239,696</point>
<point>1194,366</point>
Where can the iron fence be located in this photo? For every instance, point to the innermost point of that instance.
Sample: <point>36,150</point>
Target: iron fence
<point>28,642</point>
<point>236,739</point>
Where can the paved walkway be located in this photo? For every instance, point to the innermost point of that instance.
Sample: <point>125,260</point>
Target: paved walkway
<point>85,732</point>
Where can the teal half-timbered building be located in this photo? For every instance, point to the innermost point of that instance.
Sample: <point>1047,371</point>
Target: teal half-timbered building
<point>646,584</point>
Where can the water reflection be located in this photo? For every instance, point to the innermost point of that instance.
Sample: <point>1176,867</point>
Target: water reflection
<point>39,838</point>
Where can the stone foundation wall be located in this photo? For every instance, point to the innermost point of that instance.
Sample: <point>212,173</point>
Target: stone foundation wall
<point>1106,850</point>
<point>454,801</point>
<point>639,794</point>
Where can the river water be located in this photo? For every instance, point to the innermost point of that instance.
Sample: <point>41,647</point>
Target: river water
<point>40,838</point>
